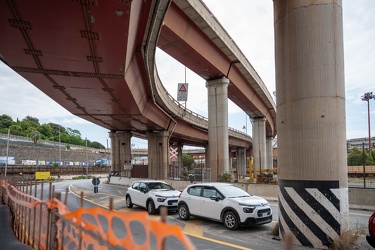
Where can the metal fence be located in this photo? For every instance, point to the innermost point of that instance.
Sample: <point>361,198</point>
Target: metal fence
<point>46,223</point>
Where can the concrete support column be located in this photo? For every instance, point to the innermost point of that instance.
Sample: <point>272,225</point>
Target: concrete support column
<point>208,170</point>
<point>241,162</point>
<point>218,159</point>
<point>121,151</point>
<point>179,160</point>
<point>269,153</point>
<point>313,186</point>
<point>259,145</point>
<point>158,155</point>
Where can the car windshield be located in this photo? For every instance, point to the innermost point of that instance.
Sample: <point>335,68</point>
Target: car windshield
<point>232,191</point>
<point>159,185</point>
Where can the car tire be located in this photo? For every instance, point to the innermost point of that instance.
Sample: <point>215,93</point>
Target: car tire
<point>183,212</point>
<point>151,207</point>
<point>231,221</point>
<point>128,201</point>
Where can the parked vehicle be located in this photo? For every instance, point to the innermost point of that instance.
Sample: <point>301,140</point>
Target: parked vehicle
<point>103,162</point>
<point>371,229</point>
<point>224,202</point>
<point>11,160</point>
<point>152,194</point>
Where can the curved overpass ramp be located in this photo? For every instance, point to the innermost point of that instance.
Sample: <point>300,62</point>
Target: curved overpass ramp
<point>96,59</point>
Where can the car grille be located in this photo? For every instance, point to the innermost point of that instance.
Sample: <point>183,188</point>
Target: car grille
<point>262,212</point>
<point>171,202</point>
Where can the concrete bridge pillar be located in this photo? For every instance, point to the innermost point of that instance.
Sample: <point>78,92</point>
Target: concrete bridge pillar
<point>259,145</point>
<point>158,155</point>
<point>121,151</point>
<point>179,159</point>
<point>269,152</point>
<point>313,185</point>
<point>218,148</point>
<point>241,162</point>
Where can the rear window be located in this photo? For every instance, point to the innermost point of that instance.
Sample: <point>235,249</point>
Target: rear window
<point>159,185</point>
<point>196,190</point>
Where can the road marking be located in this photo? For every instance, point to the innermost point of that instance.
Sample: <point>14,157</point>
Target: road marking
<point>79,196</point>
<point>221,242</point>
<point>194,228</point>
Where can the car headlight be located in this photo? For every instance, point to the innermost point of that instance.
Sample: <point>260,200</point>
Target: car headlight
<point>160,198</point>
<point>247,208</point>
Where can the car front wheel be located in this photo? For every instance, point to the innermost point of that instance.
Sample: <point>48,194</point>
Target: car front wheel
<point>129,203</point>
<point>231,220</point>
<point>183,212</point>
<point>151,207</point>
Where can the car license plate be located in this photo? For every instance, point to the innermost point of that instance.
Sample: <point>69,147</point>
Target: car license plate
<point>174,203</point>
<point>264,214</point>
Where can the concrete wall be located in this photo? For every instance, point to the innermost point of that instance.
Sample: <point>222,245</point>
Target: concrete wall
<point>362,198</point>
<point>39,153</point>
<point>358,197</point>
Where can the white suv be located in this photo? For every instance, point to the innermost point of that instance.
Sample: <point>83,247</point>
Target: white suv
<point>152,194</point>
<point>224,202</point>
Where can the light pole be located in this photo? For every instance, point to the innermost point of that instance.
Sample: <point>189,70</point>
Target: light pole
<point>6,162</point>
<point>87,166</point>
<point>200,158</point>
<point>367,97</point>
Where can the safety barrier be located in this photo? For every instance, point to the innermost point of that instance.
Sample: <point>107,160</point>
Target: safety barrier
<point>48,224</point>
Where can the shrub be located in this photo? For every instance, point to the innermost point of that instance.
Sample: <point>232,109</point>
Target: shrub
<point>225,177</point>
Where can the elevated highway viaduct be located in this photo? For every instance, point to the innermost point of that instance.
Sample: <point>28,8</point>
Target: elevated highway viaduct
<point>96,58</point>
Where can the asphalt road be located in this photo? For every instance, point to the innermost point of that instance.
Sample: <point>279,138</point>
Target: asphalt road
<point>204,234</point>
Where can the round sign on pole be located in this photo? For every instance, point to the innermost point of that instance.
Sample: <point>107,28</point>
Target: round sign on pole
<point>95,181</point>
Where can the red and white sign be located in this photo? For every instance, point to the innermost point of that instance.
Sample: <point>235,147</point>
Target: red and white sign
<point>173,153</point>
<point>182,92</point>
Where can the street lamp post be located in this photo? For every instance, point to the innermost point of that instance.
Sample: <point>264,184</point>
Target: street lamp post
<point>87,165</point>
<point>367,97</point>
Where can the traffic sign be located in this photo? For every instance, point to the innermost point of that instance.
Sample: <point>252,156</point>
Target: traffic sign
<point>173,152</point>
<point>182,92</point>
<point>95,181</point>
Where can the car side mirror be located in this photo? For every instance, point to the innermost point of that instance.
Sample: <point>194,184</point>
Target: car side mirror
<point>144,190</point>
<point>215,198</point>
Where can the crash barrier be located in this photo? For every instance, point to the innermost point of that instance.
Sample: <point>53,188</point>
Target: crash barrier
<point>48,224</point>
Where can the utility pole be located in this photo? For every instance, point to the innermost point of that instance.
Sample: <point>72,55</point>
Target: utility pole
<point>367,97</point>
<point>6,160</point>
<point>87,166</point>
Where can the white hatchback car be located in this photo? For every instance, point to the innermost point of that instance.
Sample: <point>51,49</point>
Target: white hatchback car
<point>224,202</point>
<point>152,194</point>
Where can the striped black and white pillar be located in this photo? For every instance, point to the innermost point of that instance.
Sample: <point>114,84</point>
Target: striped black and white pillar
<point>310,89</point>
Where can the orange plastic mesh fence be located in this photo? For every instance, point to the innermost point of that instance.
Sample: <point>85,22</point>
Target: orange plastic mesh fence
<point>88,228</point>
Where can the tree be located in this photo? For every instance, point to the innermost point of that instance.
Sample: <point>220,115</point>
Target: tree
<point>187,161</point>
<point>355,158</point>
<point>30,127</point>
<point>35,136</point>
<point>96,144</point>
<point>5,121</point>
<point>31,119</point>
<point>46,131</point>
<point>15,129</point>
<point>56,129</point>
<point>73,132</point>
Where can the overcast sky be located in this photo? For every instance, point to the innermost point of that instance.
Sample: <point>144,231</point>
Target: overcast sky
<point>250,24</point>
